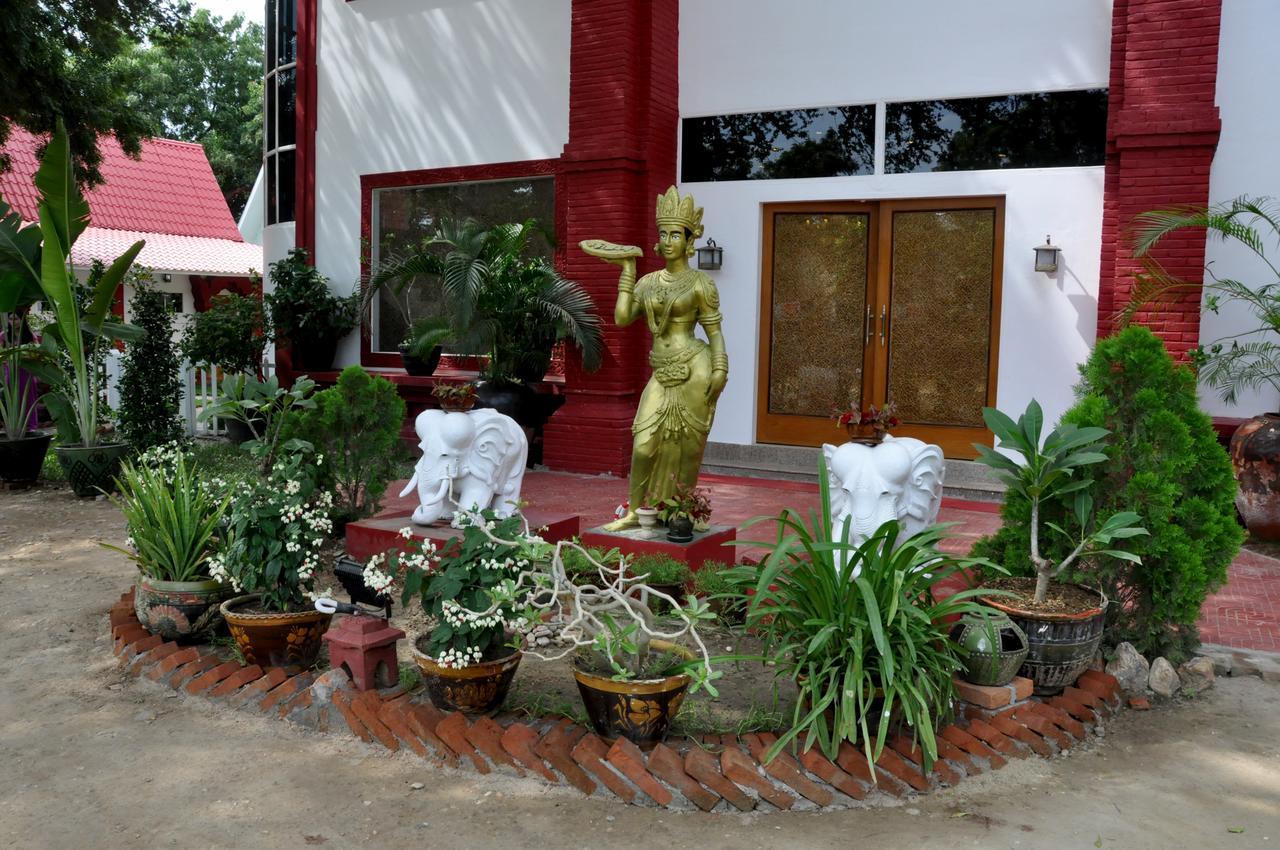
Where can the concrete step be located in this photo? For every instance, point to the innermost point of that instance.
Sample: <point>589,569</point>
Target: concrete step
<point>965,479</point>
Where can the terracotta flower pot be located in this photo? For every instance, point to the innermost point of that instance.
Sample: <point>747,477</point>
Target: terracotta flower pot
<point>290,640</point>
<point>1059,646</point>
<point>477,689</point>
<point>868,435</point>
<point>640,710</point>
<point>1255,454</point>
<point>184,611</point>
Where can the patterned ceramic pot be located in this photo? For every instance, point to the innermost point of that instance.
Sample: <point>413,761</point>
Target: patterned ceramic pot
<point>1255,454</point>
<point>478,689</point>
<point>995,648</point>
<point>640,710</point>
<point>1059,646</point>
<point>179,610</point>
<point>91,471</point>
<point>290,640</point>
<point>21,459</point>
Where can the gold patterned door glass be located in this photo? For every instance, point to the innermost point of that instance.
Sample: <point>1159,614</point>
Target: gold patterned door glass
<point>940,315</point>
<point>819,301</point>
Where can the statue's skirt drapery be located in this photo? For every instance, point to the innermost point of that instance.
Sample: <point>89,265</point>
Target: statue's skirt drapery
<point>673,419</point>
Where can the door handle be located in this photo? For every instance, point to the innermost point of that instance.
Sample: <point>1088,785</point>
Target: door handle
<point>883,314</point>
<point>867,327</point>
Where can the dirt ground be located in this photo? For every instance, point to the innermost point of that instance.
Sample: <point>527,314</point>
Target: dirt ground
<point>89,759</point>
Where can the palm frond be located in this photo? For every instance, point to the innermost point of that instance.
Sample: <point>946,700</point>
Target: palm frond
<point>1248,365</point>
<point>565,302</point>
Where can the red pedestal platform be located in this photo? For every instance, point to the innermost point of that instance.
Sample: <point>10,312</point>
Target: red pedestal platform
<point>379,533</point>
<point>707,545</point>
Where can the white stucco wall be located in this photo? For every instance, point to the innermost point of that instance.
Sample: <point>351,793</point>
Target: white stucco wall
<point>767,55</point>
<point>412,84</point>
<point>1245,163</point>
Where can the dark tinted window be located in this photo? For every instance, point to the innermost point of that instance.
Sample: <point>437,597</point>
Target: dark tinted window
<point>832,141</point>
<point>1044,130</point>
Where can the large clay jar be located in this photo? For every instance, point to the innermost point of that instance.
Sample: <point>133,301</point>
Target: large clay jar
<point>92,471</point>
<point>179,610</point>
<point>640,710</point>
<point>1255,454</point>
<point>1059,646</point>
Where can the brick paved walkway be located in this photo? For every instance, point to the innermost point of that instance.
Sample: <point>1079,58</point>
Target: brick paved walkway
<point>1244,614</point>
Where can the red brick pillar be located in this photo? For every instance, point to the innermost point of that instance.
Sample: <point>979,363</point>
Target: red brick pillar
<point>623,116</point>
<point>1162,129</point>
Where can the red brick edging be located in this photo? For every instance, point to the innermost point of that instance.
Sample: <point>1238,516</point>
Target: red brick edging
<point>713,773</point>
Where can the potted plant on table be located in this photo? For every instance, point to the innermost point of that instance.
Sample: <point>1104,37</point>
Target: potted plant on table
<point>504,302</point>
<point>424,344</point>
<point>269,552</point>
<point>1063,623</point>
<point>305,315</point>
<point>173,517</point>
<point>39,259</point>
<point>868,426</point>
<point>470,655</point>
<point>684,511</point>
<point>867,644</point>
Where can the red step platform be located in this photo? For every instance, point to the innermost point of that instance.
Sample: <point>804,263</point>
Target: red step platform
<point>709,545</point>
<point>379,533</point>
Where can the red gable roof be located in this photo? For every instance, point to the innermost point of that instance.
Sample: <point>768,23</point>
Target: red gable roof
<point>170,190</point>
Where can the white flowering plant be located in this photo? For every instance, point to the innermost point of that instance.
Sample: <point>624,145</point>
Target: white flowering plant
<point>275,532</point>
<point>456,586</point>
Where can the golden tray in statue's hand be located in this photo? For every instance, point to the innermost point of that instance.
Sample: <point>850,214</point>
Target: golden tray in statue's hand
<point>608,250</point>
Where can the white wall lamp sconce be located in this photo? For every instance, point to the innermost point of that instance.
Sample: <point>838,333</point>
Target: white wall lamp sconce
<point>710,255</point>
<point>166,277</point>
<point>1047,256</point>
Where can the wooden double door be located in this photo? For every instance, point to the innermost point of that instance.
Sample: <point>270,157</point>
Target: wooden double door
<point>866,303</point>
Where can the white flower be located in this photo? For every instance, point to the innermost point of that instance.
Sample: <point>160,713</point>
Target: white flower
<point>406,533</point>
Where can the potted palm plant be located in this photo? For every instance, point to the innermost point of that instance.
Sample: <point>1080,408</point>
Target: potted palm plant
<point>1063,623</point>
<point>422,347</point>
<point>868,646</point>
<point>173,518</point>
<point>506,303</point>
<point>40,260</point>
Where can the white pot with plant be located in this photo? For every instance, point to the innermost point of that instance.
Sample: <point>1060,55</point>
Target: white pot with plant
<point>1063,622</point>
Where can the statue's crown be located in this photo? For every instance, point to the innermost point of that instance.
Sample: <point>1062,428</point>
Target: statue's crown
<point>673,209</point>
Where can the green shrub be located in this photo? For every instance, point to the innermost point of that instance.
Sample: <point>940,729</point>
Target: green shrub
<point>302,307</point>
<point>660,569</point>
<point>229,334</point>
<point>354,425</point>
<point>150,389</point>
<point>1164,462</point>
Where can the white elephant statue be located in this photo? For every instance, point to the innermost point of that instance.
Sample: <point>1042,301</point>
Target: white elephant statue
<point>901,478</point>
<point>471,460</point>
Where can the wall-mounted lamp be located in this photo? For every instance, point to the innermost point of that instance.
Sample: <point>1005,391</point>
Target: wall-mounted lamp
<point>167,278</point>
<point>1047,256</point>
<point>710,255</point>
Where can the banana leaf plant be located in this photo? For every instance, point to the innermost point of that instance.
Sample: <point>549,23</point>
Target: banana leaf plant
<point>35,266</point>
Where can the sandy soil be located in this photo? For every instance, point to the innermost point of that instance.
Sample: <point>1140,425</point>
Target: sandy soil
<point>89,759</point>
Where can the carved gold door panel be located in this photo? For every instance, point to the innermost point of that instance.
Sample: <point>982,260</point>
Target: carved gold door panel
<point>896,300</point>
<point>815,317</point>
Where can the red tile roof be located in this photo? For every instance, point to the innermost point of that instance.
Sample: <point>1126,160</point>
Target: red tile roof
<point>171,189</point>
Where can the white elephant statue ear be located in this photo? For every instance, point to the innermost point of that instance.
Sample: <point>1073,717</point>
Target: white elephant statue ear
<point>839,499</point>
<point>492,446</point>
<point>922,497</point>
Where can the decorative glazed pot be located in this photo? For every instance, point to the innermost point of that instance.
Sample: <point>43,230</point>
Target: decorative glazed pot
<point>21,459</point>
<point>290,639</point>
<point>680,529</point>
<point>867,435</point>
<point>91,471</point>
<point>995,648</point>
<point>1059,646</point>
<point>640,710</point>
<point>1255,454</point>
<point>419,366</point>
<point>179,610</point>
<point>477,689</point>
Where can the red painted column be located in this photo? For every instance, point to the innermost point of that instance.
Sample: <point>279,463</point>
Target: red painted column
<point>304,198</point>
<point>623,119</point>
<point>1162,129</point>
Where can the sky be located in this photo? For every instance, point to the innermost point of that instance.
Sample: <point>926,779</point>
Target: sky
<point>253,10</point>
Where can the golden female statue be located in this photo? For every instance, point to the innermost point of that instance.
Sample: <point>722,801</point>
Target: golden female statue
<point>679,402</point>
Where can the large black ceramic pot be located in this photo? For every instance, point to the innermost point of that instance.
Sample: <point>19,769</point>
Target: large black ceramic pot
<point>1255,455</point>
<point>419,366</point>
<point>93,470</point>
<point>1059,646</point>
<point>21,459</point>
<point>313,355</point>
